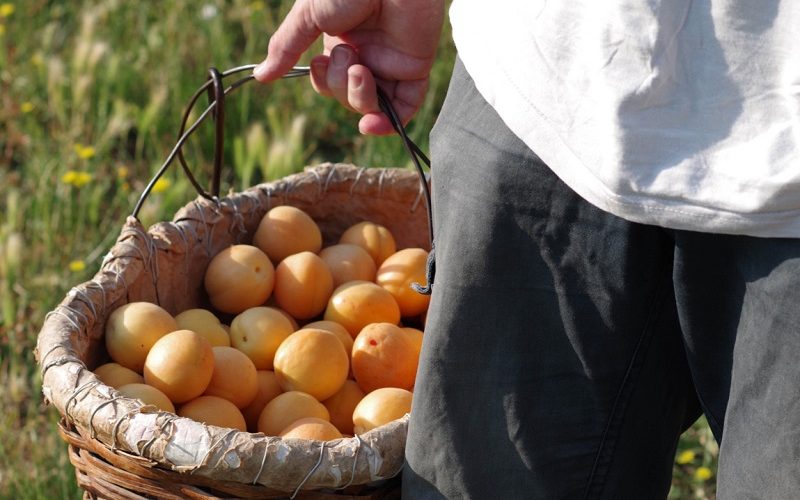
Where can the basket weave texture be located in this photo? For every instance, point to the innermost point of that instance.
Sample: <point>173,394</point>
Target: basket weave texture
<point>125,450</point>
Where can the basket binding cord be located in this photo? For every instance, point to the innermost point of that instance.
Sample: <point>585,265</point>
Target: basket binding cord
<point>216,94</point>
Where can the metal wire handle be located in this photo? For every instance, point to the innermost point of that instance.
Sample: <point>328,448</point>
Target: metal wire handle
<point>216,107</point>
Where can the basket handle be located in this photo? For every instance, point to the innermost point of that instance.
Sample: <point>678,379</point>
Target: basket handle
<point>217,92</point>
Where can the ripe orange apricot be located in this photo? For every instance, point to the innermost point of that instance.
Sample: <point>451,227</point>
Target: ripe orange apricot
<point>312,361</point>
<point>335,328</point>
<point>342,404</point>
<point>206,324</point>
<point>415,335</point>
<point>384,356</point>
<point>287,408</point>
<point>303,285</point>
<point>180,365</point>
<point>149,395</point>
<point>311,428</point>
<point>377,240</point>
<point>212,410</point>
<point>356,304</point>
<point>380,407</point>
<point>258,332</point>
<point>348,262</point>
<point>235,377</point>
<point>396,275</point>
<point>268,389</point>
<point>239,277</point>
<point>287,230</point>
<point>115,375</point>
<point>132,329</point>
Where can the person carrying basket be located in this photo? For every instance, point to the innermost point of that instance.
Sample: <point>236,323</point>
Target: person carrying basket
<point>617,213</point>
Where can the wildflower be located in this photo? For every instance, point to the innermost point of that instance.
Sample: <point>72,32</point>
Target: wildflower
<point>77,266</point>
<point>6,9</point>
<point>84,152</point>
<point>37,59</point>
<point>685,457</point>
<point>703,473</point>
<point>122,172</point>
<point>208,11</point>
<point>161,185</point>
<point>75,178</point>
<point>26,107</point>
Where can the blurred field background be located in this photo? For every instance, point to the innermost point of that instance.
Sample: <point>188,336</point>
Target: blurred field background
<point>91,94</point>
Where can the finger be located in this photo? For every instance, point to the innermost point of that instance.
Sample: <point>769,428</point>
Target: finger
<point>295,34</point>
<point>361,93</point>
<point>405,97</point>
<point>342,57</point>
<point>319,75</point>
<point>375,124</point>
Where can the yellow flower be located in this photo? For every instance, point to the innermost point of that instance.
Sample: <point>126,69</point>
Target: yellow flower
<point>6,9</point>
<point>703,473</point>
<point>161,185</point>
<point>685,457</point>
<point>256,6</point>
<point>77,266</point>
<point>37,59</point>
<point>84,152</point>
<point>26,107</point>
<point>75,178</point>
<point>122,172</point>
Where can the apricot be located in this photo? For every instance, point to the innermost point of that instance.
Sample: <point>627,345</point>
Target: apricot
<point>268,389</point>
<point>212,410</point>
<point>303,285</point>
<point>206,324</point>
<point>180,365</point>
<point>258,332</point>
<point>356,304</point>
<point>239,277</point>
<point>377,240</point>
<point>311,428</point>
<point>235,377</point>
<point>396,275</point>
<point>415,335</point>
<point>348,263</point>
<point>148,395</point>
<point>335,328</point>
<point>380,407</point>
<point>115,375</point>
<point>287,230</point>
<point>132,329</point>
<point>312,361</point>
<point>287,408</point>
<point>384,356</point>
<point>342,404</point>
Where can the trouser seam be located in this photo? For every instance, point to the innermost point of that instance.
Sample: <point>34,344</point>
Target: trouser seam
<point>620,401</point>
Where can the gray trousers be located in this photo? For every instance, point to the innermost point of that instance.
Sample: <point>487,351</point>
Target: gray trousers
<point>566,349</point>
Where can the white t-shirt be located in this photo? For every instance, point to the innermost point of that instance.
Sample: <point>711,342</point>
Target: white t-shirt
<point>680,113</point>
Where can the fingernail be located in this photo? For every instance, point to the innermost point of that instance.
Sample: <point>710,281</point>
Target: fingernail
<point>339,57</point>
<point>354,81</point>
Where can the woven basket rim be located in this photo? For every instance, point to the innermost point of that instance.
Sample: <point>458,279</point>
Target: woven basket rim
<point>108,418</point>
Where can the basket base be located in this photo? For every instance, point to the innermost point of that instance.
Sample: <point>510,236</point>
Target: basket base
<point>100,474</point>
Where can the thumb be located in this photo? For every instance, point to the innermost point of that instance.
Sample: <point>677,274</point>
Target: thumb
<point>295,34</point>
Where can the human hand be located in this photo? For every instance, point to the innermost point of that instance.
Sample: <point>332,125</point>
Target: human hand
<point>391,43</point>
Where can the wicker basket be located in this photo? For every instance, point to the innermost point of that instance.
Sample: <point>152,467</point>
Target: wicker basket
<point>122,449</point>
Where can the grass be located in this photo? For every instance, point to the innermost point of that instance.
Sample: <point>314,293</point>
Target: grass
<point>90,97</point>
